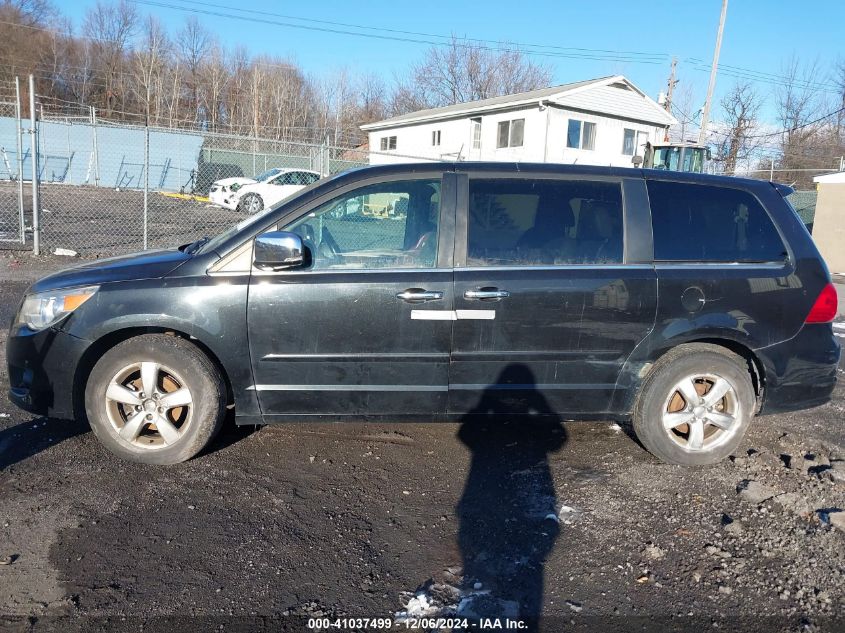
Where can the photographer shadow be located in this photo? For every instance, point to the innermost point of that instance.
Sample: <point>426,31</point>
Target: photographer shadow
<point>508,512</point>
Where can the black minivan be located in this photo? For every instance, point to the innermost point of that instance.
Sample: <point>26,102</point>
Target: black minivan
<point>684,303</point>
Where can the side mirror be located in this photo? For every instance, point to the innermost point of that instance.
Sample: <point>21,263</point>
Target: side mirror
<point>278,250</point>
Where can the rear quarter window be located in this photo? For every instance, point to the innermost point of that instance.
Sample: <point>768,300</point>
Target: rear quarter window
<point>705,223</point>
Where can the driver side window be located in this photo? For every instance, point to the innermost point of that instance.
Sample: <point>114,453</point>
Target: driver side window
<point>386,225</point>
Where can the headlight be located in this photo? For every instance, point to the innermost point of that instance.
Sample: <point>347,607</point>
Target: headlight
<point>44,309</point>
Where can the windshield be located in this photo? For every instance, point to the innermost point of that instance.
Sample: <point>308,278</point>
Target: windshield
<point>694,160</point>
<point>667,158</point>
<point>267,175</point>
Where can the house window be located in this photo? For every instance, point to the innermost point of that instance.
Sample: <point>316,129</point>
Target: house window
<point>476,133</point>
<point>388,142</point>
<point>511,133</point>
<point>629,142</point>
<point>435,138</point>
<point>581,134</point>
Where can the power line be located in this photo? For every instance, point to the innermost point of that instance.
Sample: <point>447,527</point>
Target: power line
<point>397,38</point>
<point>788,130</point>
<point>447,38</point>
<point>588,54</point>
<point>762,77</point>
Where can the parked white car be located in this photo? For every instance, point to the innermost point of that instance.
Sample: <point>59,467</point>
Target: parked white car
<point>252,198</point>
<point>222,192</point>
<point>229,193</point>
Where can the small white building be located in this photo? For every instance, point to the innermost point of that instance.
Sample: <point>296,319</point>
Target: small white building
<point>602,121</point>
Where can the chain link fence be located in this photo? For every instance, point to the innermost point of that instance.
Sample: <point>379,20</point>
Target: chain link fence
<point>804,203</point>
<point>106,188</point>
<point>14,161</point>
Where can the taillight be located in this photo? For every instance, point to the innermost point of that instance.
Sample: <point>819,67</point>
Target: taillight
<point>824,309</point>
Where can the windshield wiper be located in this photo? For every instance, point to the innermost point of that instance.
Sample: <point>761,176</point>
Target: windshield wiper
<point>193,247</point>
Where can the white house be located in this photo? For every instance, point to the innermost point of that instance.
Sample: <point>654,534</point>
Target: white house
<point>597,122</point>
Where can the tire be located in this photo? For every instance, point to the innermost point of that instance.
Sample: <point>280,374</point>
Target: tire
<point>678,430</point>
<point>184,413</point>
<point>251,204</point>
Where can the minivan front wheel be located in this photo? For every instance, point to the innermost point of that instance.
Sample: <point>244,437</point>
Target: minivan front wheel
<point>155,399</point>
<point>695,405</point>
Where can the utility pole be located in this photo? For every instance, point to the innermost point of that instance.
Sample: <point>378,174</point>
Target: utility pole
<point>705,118</point>
<point>670,87</point>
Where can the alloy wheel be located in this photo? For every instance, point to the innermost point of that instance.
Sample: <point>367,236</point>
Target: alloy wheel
<point>148,405</point>
<point>254,205</point>
<point>701,412</point>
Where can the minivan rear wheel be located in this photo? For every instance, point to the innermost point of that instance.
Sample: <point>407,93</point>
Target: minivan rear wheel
<point>695,405</point>
<point>155,399</point>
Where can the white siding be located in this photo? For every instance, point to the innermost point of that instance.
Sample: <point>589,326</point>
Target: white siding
<point>610,134</point>
<point>413,142</point>
<point>612,110</point>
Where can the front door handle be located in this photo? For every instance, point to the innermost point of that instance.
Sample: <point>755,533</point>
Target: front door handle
<point>419,295</point>
<point>487,294</point>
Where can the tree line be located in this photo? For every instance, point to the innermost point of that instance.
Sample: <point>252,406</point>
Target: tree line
<point>130,67</point>
<point>808,134</point>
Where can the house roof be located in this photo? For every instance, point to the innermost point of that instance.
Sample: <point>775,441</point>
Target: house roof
<point>559,95</point>
<point>834,178</point>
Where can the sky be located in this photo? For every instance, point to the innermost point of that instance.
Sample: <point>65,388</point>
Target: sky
<point>760,35</point>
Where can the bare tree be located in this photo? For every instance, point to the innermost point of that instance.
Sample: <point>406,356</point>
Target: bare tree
<point>21,40</point>
<point>193,43</point>
<point>111,27</point>
<point>740,107</point>
<point>806,139</point>
<point>461,71</point>
<point>150,61</point>
<point>839,78</point>
<point>372,102</point>
<point>215,77</point>
<point>687,107</point>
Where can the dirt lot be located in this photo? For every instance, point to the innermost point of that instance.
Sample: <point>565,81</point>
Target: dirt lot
<point>572,520</point>
<point>98,221</point>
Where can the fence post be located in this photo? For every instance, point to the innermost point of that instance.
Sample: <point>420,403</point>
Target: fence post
<point>96,148</point>
<point>36,212</point>
<point>146,181</point>
<point>19,137</point>
<point>771,170</point>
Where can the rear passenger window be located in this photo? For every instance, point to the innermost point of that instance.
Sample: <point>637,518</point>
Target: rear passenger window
<point>711,224</point>
<point>524,222</point>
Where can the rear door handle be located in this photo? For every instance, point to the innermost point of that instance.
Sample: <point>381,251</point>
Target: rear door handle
<point>419,295</point>
<point>487,293</point>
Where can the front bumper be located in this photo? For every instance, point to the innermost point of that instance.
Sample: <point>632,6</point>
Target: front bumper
<point>225,199</point>
<point>42,370</point>
<point>800,373</point>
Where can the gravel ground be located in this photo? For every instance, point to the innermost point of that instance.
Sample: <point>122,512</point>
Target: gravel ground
<point>572,520</point>
<point>97,221</point>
